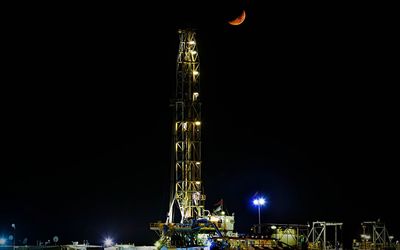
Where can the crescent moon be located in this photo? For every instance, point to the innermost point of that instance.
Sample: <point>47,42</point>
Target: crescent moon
<point>238,20</point>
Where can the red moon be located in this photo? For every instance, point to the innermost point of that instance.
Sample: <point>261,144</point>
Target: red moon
<point>239,19</point>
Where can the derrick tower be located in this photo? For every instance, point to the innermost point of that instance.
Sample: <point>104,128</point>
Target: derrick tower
<point>195,225</point>
<point>187,191</point>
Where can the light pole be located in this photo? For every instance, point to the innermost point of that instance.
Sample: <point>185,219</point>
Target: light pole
<point>13,226</point>
<point>259,202</point>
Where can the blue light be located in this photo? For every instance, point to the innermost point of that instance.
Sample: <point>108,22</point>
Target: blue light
<point>259,201</point>
<point>2,241</point>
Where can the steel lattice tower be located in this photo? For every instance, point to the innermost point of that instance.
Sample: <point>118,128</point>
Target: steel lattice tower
<point>195,225</point>
<point>187,191</point>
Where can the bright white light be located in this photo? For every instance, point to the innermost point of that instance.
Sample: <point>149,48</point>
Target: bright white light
<point>259,202</point>
<point>108,242</point>
<point>195,72</point>
<point>197,123</point>
<point>273,227</point>
<point>365,236</point>
<point>192,42</point>
<point>2,241</point>
<point>193,51</point>
<point>198,182</point>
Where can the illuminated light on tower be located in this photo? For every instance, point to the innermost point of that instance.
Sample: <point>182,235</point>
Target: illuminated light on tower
<point>188,190</point>
<point>259,202</point>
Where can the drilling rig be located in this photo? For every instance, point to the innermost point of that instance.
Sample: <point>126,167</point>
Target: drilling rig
<point>188,223</point>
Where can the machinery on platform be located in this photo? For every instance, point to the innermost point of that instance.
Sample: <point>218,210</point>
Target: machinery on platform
<point>320,236</point>
<point>374,236</point>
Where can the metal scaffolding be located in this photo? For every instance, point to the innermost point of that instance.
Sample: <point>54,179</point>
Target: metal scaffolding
<point>380,236</point>
<point>318,236</point>
<point>188,193</point>
<point>190,225</point>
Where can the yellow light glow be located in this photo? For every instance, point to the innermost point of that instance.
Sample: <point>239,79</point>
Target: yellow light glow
<point>193,51</point>
<point>195,72</point>
<point>197,123</point>
<point>198,182</point>
<point>192,42</point>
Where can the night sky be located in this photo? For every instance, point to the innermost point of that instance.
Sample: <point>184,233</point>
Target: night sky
<point>299,104</point>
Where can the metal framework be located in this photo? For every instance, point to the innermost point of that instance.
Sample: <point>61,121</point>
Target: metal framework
<point>318,235</point>
<point>380,235</point>
<point>188,193</point>
<point>195,227</point>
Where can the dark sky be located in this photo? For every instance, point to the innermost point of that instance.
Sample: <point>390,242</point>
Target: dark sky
<point>299,104</point>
